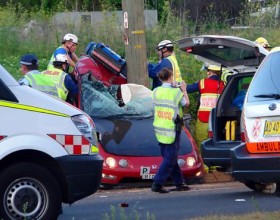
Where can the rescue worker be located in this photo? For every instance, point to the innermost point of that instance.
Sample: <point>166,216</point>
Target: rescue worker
<point>68,48</point>
<point>28,65</point>
<point>209,89</point>
<point>165,50</point>
<point>263,42</point>
<point>33,78</point>
<point>66,86</point>
<point>226,75</point>
<point>168,102</point>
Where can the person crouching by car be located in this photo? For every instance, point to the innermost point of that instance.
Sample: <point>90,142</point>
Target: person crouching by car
<point>168,101</point>
<point>66,86</point>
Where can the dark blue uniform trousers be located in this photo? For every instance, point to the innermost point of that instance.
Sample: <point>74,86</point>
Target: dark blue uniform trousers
<point>169,166</point>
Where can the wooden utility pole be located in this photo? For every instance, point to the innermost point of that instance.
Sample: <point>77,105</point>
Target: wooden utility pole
<point>135,41</point>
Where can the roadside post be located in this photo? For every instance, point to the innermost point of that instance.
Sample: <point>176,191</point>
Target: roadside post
<point>135,41</point>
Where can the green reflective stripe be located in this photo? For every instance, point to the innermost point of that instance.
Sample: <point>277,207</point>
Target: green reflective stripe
<point>164,105</point>
<point>165,130</point>
<point>61,82</point>
<point>168,134</point>
<point>30,108</point>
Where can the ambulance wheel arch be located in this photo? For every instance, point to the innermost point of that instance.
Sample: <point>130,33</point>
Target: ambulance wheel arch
<point>28,180</point>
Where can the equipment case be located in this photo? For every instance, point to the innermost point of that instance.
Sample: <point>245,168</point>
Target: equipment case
<point>107,57</point>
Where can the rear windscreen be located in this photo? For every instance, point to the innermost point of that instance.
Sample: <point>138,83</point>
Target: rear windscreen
<point>265,85</point>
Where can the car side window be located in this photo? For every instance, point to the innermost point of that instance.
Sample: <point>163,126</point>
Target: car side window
<point>241,91</point>
<point>266,81</point>
<point>5,93</point>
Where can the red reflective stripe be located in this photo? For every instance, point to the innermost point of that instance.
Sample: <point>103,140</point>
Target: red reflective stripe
<point>77,149</point>
<point>73,144</point>
<point>2,137</point>
<point>84,141</point>
<point>69,140</point>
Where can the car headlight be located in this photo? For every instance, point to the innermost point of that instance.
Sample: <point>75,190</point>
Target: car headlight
<point>111,162</point>
<point>181,162</point>
<point>190,161</point>
<point>123,163</point>
<point>86,126</point>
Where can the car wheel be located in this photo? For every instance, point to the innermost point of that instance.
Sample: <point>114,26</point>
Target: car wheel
<point>269,188</point>
<point>29,191</point>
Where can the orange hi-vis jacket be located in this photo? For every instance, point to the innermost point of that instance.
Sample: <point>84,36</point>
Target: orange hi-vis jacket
<point>210,90</point>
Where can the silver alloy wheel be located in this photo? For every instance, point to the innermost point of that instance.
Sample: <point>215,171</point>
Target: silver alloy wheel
<point>25,199</point>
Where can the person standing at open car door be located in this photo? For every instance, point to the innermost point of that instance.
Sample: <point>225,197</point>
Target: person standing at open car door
<point>209,89</point>
<point>168,101</point>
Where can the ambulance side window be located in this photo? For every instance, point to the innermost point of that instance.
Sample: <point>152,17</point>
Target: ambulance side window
<point>6,94</point>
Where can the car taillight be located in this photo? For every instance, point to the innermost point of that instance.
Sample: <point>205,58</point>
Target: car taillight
<point>189,50</point>
<point>242,135</point>
<point>210,134</point>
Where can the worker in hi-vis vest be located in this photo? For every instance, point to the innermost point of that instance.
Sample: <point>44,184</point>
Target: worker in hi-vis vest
<point>165,50</point>
<point>209,89</point>
<point>168,101</point>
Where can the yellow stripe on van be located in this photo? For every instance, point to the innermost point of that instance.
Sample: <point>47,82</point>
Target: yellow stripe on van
<point>30,108</point>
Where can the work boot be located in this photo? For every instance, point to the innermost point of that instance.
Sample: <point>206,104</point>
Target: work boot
<point>159,188</point>
<point>182,187</point>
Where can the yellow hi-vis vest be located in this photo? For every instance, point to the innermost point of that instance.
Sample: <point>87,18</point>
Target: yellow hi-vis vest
<point>50,65</point>
<point>42,83</point>
<point>58,77</point>
<point>166,107</point>
<point>175,67</point>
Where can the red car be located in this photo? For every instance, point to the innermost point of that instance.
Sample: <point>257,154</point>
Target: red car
<point>127,141</point>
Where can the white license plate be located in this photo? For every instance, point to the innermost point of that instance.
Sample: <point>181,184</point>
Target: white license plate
<point>148,176</point>
<point>145,173</point>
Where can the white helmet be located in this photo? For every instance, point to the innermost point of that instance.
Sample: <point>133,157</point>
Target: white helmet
<point>70,37</point>
<point>60,58</point>
<point>164,43</point>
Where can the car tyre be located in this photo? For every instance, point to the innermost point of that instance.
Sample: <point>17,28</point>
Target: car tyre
<point>106,186</point>
<point>269,188</point>
<point>29,191</point>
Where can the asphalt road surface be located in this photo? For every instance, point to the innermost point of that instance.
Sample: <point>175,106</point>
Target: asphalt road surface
<point>201,200</point>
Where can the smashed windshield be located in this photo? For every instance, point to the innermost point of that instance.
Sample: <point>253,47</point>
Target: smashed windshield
<point>115,101</point>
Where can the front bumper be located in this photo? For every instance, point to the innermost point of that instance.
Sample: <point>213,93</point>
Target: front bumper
<point>120,175</point>
<point>262,168</point>
<point>217,153</point>
<point>82,175</point>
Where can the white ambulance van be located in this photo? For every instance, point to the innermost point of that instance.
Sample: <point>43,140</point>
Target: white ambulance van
<point>47,153</point>
<point>256,162</point>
